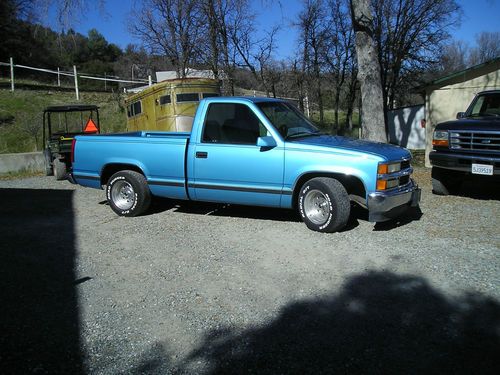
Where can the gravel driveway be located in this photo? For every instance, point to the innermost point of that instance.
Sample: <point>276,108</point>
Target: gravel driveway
<point>209,289</point>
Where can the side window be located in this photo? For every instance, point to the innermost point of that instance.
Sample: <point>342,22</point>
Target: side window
<point>165,99</point>
<point>478,106</point>
<point>190,97</point>
<point>231,123</point>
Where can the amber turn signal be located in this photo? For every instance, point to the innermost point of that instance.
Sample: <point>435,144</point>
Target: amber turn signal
<point>381,184</point>
<point>440,142</point>
<point>382,169</point>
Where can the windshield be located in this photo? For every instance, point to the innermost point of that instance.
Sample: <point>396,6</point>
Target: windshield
<point>288,120</point>
<point>485,105</point>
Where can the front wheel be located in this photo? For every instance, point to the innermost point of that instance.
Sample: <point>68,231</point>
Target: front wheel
<point>128,193</point>
<point>324,204</point>
<point>444,182</point>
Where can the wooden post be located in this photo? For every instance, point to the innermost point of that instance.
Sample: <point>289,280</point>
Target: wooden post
<point>150,82</point>
<point>76,83</point>
<point>11,74</point>
<point>58,77</point>
<point>105,88</point>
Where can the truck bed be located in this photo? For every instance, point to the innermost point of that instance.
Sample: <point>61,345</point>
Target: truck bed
<point>159,155</point>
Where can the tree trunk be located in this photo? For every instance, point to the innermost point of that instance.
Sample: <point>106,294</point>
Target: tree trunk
<point>372,111</point>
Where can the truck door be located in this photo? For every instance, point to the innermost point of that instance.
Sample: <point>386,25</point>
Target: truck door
<point>229,167</point>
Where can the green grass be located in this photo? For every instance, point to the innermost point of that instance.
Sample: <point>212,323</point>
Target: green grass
<point>328,121</point>
<point>26,106</point>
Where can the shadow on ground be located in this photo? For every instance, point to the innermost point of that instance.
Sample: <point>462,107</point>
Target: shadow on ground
<point>275,214</point>
<point>39,308</point>
<point>480,187</point>
<point>378,323</point>
<point>224,210</point>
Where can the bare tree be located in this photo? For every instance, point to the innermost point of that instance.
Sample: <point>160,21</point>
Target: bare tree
<point>454,57</point>
<point>373,125</point>
<point>410,35</point>
<point>487,48</point>
<point>171,28</point>
<point>341,52</point>
<point>313,38</point>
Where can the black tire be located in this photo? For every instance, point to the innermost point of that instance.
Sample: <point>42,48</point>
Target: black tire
<point>128,193</point>
<point>49,171</point>
<point>324,204</point>
<point>445,182</point>
<point>60,170</point>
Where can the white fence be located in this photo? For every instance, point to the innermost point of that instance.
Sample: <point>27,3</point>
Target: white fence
<point>73,74</point>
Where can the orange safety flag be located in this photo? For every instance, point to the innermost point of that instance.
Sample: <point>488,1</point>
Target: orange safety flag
<point>90,127</point>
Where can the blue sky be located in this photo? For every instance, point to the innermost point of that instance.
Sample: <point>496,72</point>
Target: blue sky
<point>478,16</point>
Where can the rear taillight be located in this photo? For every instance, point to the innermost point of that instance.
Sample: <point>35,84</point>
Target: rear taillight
<point>73,144</point>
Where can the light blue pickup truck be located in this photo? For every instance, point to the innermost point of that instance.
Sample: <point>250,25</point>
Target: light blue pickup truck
<point>249,151</point>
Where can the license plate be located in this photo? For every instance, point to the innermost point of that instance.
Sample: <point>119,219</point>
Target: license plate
<point>482,169</point>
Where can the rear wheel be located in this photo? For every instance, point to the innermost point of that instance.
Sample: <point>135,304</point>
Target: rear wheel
<point>128,193</point>
<point>324,204</point>
<point>60,171</point>
<point>444,181</point>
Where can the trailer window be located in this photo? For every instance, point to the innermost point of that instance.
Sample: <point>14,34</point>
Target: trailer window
<point>210,95</point>
<point>190,97</point>
<point>134,109</point>
<point>165,99</point>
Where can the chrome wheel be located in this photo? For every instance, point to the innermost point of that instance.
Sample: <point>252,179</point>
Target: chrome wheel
<point>123,195</point>
<point>316,207</point>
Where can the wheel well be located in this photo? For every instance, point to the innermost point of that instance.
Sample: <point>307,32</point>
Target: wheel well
<point>111,169</point>
<point>352,184</point>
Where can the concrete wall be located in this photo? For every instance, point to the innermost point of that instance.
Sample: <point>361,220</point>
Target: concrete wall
<point>31,161</point>
<point>405,127</point>
<point>443,103</point>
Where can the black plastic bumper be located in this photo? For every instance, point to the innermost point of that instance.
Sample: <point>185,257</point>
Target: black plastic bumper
<point>462,162</point>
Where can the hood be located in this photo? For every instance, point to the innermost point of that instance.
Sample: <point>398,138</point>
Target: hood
<point>487,123</point>
<point>383,150</point>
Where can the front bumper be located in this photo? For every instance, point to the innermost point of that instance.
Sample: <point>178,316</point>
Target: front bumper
<point>386,205</point>
<point>462,162</point>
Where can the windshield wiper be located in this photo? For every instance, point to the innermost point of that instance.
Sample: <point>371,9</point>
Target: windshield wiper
<point>303,134</point>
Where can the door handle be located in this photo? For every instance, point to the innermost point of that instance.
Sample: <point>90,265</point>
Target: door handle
<point>201,155</point>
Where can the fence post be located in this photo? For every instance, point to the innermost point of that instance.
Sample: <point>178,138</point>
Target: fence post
<point>105,87</point>
<point>11,74</point>
<point>76,83</point>
<point>58,77</point>
<point>149,81</point>
<point>308,113</point>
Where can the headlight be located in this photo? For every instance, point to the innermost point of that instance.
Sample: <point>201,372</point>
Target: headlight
<point>386,168</point>
<point>440,138</point>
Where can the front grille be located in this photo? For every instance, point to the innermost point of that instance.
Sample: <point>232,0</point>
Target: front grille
<point>404,180</point>
<point>405,164</point>
<point>475,141</point>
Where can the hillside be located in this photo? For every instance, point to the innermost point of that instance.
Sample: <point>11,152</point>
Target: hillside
<point>21,115</point>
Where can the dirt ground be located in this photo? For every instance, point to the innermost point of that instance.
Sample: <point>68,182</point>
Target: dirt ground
<point>211,289</point>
